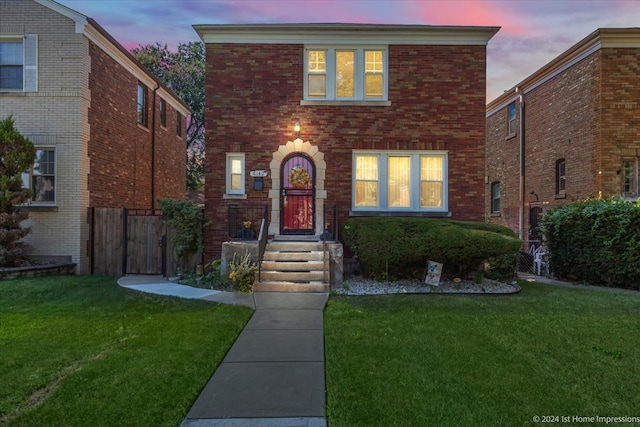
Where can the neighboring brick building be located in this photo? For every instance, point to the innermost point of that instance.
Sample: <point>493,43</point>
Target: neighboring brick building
<point>391,123</point>
<point>108,133</point>
<point>575,123</point>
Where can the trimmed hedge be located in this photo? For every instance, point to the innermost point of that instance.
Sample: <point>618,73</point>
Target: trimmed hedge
<point>400,247</point>
<point>595,241</point>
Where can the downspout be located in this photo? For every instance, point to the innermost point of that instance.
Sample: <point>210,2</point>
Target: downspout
<point>153,149</point>
<point>522,165</point>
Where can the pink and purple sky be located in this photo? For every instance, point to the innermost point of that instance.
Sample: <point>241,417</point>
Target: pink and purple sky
<point>533,31</point>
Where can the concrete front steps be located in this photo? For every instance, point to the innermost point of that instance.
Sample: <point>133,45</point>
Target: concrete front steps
<point>294,266</point>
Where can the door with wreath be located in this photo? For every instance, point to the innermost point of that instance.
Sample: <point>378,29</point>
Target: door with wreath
<point>297,195</point>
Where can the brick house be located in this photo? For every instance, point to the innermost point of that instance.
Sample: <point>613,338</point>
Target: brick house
<point>390,124</point>
<point>575,123</point>
<point>107,132</point>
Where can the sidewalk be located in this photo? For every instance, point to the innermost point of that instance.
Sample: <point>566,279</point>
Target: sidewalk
<point>273,375</point>
<point>161,286</point>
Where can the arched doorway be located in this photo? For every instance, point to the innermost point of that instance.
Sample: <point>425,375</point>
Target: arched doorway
<point>297,195</point>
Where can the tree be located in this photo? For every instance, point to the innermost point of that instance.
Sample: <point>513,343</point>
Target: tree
<point>17,155</point>
<point>184,72</point>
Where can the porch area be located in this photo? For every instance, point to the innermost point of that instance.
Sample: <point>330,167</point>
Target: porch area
<point>285,262</point>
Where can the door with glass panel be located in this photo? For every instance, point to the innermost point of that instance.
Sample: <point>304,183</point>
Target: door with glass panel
<point>297,195</point>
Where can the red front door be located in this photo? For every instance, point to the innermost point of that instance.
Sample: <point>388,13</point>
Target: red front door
<point>297,196</point>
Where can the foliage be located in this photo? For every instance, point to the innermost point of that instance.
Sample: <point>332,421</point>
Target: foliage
<point>186,220</point>
<point>242,272</point>
<point>456,360</point>
<point>595,241</point>
<point>17,155</point>
<point>71,345</point>
<point>402,246</point>
<point>184,72</point>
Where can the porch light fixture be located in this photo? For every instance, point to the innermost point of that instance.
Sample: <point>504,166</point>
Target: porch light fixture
<point>296,128</point>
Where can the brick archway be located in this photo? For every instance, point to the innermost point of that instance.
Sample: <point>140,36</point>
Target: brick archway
<point>297,146</point>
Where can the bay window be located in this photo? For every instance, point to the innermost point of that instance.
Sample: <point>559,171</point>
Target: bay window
<point>389,181</point>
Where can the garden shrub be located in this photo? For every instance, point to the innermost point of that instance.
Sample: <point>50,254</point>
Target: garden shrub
<point>186,221</point>
<point>401,246</point>
<point>242,272</point>
<point>595,241</point>
<point>17,154</point>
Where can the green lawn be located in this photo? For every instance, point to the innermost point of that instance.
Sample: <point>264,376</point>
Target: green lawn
<point>438,360</point>
<point>82,351</point>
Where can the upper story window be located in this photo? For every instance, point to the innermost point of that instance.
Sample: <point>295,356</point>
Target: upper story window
<point>512,119</point>
<point>629,177</point>
<point>19,63</point>
<point>346,74</point>
<point>163,113</point>
<point>399,181</point>
<point>142,105</point>
<point>41,178</point>
<point>178,123</point>
<point>495,197</point>
<point>561,177</point>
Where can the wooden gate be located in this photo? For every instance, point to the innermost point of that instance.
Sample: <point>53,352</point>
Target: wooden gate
<point>128,241</point>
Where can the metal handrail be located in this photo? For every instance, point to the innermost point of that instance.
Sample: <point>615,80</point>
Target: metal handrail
<point>262,239</point>
<point>327,232</point>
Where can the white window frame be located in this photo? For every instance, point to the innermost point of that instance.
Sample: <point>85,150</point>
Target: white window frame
<point>415,180</point>
<point>230,158</point>
<point>27,179</point>
<point>29,61</point>
<point>359,87</point>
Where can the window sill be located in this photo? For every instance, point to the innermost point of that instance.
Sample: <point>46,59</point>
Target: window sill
<point>17,92</point>
<point>347,103</point>
<point>143,127</point>
<point>560,196</point>
<point>401,214</point>
<point>510,136</point>
<point>234,196</point>
<point>40,208</point>
<point>495,214</point>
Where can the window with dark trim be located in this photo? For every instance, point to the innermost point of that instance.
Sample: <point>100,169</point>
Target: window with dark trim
<point>163,113</point>
<point>512,118</point>
<point>142,105</point>
<point>41,177</point>
<point>495,197</point>
<point>561,177</point>
<point>178,124</point>
<point>629,177</point>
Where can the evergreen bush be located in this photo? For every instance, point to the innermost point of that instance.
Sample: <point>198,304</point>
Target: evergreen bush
<point>401,247</point>
<point>17,155</point>
<point>595,241</point>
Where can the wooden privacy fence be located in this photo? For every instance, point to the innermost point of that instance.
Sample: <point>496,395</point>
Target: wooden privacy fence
<point>129,241</point>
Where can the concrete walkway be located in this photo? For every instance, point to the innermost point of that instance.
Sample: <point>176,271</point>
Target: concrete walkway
<point>273,375</point>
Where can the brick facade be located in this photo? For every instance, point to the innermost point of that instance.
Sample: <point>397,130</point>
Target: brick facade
<point>436,96</point>
<point>85,109</point>
<point>582,108</point>
<point>121,150</point>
